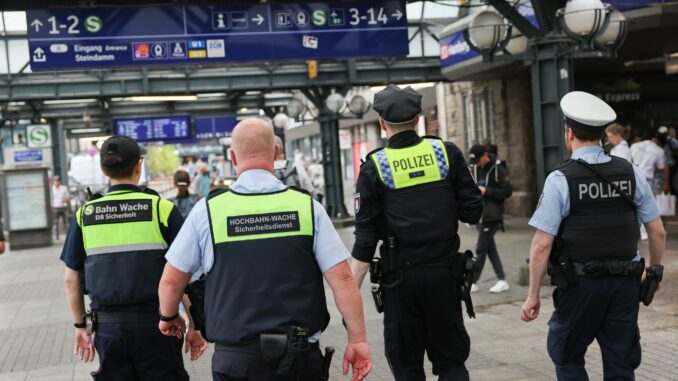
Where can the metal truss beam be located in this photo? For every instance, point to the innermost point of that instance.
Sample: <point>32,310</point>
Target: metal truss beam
<point>230,78</point>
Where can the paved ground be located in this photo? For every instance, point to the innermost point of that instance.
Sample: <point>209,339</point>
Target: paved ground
<point>36,331</point>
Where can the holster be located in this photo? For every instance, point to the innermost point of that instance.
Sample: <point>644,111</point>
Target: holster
<point>463,272</point>
<point>272,346</point>
<point>295,356</point>
<point>196,294</point>
<point>562,271</point>
<point>653,277</point>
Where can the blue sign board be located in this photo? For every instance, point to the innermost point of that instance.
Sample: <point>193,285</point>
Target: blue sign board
<point>215,127</point>
<point>154,128</point>
<point>77,38</point>
<point>28,156</point>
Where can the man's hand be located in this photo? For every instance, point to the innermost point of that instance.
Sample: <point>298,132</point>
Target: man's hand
<point>2,247</point>
<point>358,355</point>
<point>530,309</point>
<point>195,343</point>
<point>482,190</point>
<point>176,327</point>
<point>84,346</point>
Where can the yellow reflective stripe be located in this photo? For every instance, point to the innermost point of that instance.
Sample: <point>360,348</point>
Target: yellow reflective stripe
<point>77,216</point>
<point>126,248</point>
<point>258,207</point>
<point>123,233</point>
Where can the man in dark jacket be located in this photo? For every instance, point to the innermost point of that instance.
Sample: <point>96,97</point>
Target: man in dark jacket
<point>494,186</point>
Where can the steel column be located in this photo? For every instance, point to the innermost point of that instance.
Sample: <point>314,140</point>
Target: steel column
<point>552,78</point>
<point>334,185</point>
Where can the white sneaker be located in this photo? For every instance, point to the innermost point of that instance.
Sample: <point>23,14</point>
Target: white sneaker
<point>474,287</point>
<point>500,286</point>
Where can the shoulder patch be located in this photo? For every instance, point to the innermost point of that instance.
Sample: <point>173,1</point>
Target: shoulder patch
<point>356,202</point>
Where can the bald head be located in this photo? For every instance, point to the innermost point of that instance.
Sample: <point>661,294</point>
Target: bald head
<point>253,145</point>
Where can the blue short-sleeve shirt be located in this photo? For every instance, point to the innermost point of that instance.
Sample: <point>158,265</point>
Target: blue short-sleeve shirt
<point>192,251</point>
<point>554,204</point>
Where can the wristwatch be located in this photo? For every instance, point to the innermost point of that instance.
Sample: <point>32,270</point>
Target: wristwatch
<point>80,325</point>
<point>168,318</point>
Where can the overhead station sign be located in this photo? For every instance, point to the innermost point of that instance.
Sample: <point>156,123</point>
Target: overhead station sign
<point>77,38</point>
<point>154,128</point>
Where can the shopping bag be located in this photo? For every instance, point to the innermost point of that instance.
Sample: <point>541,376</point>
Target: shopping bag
<point>666,204</point>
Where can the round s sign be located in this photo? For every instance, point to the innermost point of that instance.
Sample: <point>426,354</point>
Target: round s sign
<point>39,135</point>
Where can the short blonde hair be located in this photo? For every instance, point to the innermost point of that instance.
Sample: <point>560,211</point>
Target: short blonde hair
<point>615,128</point>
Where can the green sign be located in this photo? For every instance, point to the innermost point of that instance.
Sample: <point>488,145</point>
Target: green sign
<point>39,135</point>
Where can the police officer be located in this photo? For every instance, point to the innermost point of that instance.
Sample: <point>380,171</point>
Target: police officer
<point>589,210</point>
<point>265,249</point>
<point>410,195</point>
<point>119,241</point>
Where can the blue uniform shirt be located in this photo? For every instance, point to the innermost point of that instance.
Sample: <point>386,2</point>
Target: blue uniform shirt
<point>554,204</point>
<point>192,251</point>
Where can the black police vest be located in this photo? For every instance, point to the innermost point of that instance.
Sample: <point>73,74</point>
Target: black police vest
<point>421,214</point>
<point>601,223</point>
<point>265,278</point>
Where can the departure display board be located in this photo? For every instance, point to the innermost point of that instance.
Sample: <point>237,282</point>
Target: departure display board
<point>154,128</point>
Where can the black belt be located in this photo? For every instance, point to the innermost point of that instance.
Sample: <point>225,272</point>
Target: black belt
<point>249,347</point>
<point>610,268</point>
<point>446,261</point>
<point>123,317</point>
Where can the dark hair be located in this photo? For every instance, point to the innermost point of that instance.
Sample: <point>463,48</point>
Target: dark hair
<point>114,167</point>
<point>182,179</point>
<point>586,136</point>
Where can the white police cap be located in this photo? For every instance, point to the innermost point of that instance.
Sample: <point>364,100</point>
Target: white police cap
<point>584,111</point>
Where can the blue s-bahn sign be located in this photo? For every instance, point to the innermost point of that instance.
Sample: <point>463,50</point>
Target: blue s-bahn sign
<point>77,38</point>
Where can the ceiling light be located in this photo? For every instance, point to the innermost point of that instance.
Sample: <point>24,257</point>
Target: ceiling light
<point>164,98</point>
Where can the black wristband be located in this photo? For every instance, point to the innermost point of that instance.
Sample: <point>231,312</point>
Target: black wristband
<point>168,318</point>
<point>80,325</point>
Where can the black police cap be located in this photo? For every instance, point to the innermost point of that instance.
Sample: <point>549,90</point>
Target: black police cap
<point>396,105</point>
<point>122,147</point>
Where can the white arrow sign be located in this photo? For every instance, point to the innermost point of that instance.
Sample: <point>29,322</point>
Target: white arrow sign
<point>398,15</point>
<point>259,19</point>
<point>39,55</point>
<point>36,24</point>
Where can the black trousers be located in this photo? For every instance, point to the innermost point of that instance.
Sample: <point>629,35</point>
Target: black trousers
<point>487,247</point>
<point>137,352</point>
<point>248,366</point>
<point>604,309</point>
<point>423,314</point>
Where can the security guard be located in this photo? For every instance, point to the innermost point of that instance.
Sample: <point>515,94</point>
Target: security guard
<point>263,249</point>
<point>588,215</point>
<point>119,241</point>
<point>410,195</point>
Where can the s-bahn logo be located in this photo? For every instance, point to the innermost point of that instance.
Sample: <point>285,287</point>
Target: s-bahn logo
<point>38,136</point>
<point>89,209</point>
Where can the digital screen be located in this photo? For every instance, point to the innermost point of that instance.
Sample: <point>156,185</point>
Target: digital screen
<point>154,128</point>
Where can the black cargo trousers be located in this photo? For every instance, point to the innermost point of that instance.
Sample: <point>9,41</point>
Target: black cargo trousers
<point>423,314</point>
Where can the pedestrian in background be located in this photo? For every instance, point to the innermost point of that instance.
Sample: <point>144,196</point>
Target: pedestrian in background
<point>2,236</point>
<point>317,174</point>
<point>596,265</point>
<point>203,183</point>
<point>264,278</point>
<point>670,153</point>
<point>184,201</point>
<point>495,188</point>
<point>60,199</point>
<point>291,172</point>
<point>649,156</point>
<point>620,147</point>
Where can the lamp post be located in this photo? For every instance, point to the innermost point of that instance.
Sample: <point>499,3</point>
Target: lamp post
<point>581,29</point>
<point>331,107</point>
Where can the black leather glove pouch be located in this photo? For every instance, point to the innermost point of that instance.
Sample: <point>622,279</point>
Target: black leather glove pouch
<point>273,347</point>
